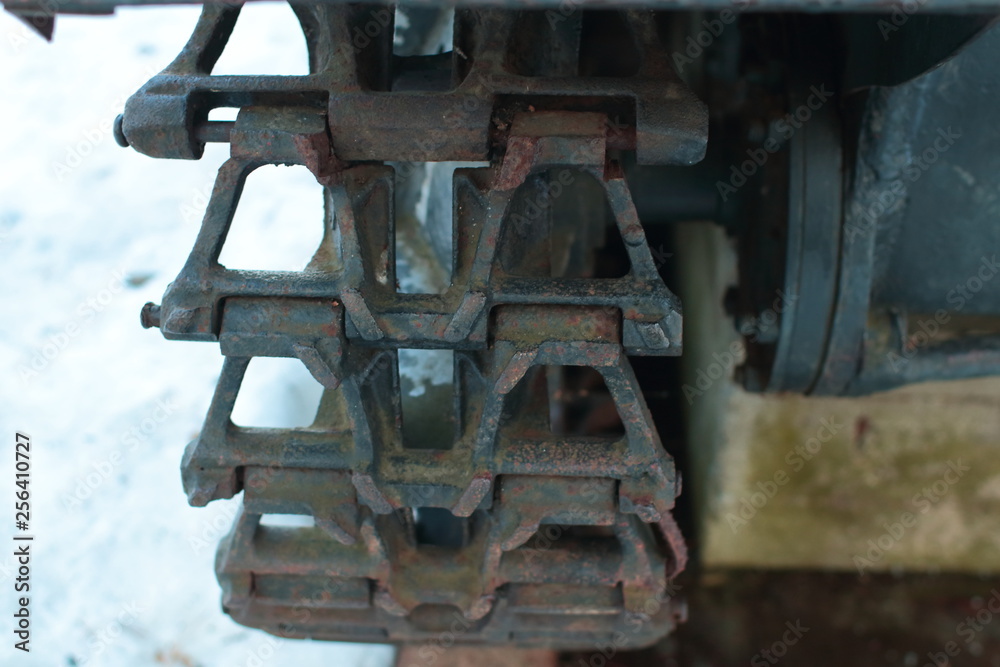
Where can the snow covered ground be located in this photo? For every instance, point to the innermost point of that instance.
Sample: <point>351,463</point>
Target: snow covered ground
<point>121,574</point>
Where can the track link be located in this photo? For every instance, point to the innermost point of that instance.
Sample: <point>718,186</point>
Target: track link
<point>519,528</point>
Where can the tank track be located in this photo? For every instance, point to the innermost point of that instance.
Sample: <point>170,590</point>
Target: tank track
<point>552,536</point>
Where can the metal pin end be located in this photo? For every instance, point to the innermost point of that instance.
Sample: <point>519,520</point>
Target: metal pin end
<point>149,316</point>
<point>119,131</point>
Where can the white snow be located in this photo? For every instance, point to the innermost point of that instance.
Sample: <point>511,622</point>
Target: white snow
<point>122,570</point>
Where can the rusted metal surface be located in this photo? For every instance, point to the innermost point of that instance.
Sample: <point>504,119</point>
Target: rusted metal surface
<point>551,536</point>
<point>411,656</point>
<point>456,106</point>
<point>363,281</point>
<point>874,291</point>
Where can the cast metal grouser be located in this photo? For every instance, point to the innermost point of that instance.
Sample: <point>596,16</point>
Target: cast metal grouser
<point>565,539</point>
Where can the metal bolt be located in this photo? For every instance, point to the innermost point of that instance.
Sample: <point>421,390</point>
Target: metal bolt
<point>119,131</point>
<point>149,316</point>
